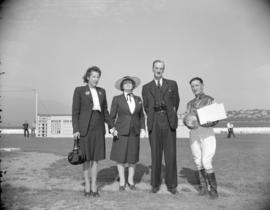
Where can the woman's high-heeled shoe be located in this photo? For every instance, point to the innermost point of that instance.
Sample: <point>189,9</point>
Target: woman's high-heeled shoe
<point>96,194</point>
<point>131,186</point>
<point>121,188</point>
<point>87,194</point>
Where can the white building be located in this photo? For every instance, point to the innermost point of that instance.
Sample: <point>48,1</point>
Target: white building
<point>61,126</point>
<point>54,126</point>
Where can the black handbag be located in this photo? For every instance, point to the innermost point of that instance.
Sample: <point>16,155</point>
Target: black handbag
<point>75,157</point>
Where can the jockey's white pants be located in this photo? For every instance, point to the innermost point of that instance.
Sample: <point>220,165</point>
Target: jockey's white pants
<point>203,147</point>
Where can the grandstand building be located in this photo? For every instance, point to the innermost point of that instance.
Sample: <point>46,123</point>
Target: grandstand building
<point>55,125</point>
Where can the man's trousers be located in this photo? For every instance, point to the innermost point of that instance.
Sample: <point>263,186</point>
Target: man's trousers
<point>163,138</point>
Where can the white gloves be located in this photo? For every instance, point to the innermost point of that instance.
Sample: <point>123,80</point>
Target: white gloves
<point>142,133</point>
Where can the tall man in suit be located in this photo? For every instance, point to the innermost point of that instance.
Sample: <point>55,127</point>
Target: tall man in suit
<point>161,102</point>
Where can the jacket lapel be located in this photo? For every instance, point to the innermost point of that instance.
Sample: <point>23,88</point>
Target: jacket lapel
<point>136,99</point>
<point>100,96</point>
<point>164,87</point>
<point>124,102</point>
<point>152,88</point>
<point>89,96</point>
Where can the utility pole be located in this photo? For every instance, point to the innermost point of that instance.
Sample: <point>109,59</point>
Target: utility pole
<point>36,110</point>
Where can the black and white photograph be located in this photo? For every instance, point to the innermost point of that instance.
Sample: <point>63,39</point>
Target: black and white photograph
<point>135,104</point>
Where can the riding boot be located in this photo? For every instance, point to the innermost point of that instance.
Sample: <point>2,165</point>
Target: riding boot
<point>202,182</point>
<point>211,178</point>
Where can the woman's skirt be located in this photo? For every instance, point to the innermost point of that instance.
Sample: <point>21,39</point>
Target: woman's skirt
<point>93,144</point>
<point>126,149</point>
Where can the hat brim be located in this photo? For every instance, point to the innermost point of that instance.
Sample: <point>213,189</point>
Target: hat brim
<point>136,81</point>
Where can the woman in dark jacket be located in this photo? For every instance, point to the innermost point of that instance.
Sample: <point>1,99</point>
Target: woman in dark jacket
<point>127,114</point>
<point>89,112</point>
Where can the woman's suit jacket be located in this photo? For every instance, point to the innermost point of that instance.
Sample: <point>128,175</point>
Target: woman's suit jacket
<point>121,115</point>
<point>82,109</point>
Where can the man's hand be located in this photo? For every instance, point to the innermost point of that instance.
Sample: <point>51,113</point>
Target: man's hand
<point>210,124</point>
<point>76,135</point>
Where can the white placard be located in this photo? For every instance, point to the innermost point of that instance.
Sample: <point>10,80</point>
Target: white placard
<point>211,113</point>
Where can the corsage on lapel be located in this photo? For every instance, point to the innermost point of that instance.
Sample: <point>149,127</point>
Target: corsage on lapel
<point>100,93</point>
<point>139,101</point>
<point>170,90</point>
<point>87,93</point>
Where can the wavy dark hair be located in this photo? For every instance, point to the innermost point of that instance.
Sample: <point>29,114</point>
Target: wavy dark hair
<point>89,71</point>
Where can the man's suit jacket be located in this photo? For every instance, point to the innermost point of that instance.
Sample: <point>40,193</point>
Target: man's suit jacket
<point>121,115</point>
<point>170,96</point>
<point>82,109</point>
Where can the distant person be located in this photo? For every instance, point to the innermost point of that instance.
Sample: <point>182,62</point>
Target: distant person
<point>161,102</point>
<point>25,129</point>
<point>33,128</point>
<point>202,140</point>
<point>89,112</point>
<point>230,127</point>
<point>128,116</point>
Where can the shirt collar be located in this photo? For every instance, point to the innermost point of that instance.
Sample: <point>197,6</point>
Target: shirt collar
<point>92,88</point>
<point>125,93</point>
<point>200,96</point>
<point>161,81</point>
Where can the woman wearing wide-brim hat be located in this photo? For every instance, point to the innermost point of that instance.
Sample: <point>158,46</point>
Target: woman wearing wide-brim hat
<point>128,116</point>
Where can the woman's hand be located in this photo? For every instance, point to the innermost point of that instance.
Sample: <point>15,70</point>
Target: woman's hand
<point>115,133</point>
<point>142,133</point>
<point>76,135</point>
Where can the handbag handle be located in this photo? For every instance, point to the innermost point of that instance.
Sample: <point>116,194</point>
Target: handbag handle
<point>76,145</point>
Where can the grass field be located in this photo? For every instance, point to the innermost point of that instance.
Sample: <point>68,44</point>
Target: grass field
<point>39,177</point>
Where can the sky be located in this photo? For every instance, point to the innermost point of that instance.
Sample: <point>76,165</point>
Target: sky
<point>47,45</point>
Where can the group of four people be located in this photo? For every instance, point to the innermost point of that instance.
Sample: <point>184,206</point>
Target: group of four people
<point>126,122</point>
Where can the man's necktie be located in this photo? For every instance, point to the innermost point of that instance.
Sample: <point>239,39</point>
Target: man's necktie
<point>158,84</point>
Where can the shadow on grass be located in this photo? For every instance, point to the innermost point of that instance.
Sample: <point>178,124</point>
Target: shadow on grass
<point>190,175</point>
<point>109,175</point>
<point>141,170</point>
<point>63,169</point>
<point>10,197</point>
